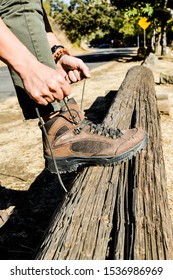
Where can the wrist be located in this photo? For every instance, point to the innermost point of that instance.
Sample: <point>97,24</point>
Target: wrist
<point>58,51</point>
<point>24,63</point>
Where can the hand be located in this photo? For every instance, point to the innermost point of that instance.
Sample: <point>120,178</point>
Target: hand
<point>44,84</point>
<point>74,68</point>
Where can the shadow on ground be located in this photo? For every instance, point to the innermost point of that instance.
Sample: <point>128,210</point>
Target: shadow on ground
<point>20,236</point>
<point>102,58</point>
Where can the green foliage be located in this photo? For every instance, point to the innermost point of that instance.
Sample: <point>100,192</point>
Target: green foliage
<point>83,19</point>
<point>47,7</point>
<point>128,27</point>
<point>155,10</point>
<point>115,19</point>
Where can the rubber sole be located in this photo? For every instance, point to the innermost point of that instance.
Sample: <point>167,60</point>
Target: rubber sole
<point>71,163</point>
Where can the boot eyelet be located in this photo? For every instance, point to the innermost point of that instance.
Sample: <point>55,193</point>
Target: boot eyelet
<point>72,117</point>
<point>77,130</point>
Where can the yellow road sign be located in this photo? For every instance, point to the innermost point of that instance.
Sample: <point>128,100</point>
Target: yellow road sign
<point>143,23</point>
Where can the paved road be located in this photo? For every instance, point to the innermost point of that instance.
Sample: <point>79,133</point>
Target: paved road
<point>95,59</point>
<point>6,84</point>
<point>101,56</point>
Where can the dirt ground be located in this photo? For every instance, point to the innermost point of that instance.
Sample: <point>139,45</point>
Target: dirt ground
<point>22,164</point>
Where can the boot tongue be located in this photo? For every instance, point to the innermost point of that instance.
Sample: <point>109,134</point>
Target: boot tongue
<point>70,101</point>
<point>72,109</point>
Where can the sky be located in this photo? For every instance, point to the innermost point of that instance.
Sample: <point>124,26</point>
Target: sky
<point>66,1</point>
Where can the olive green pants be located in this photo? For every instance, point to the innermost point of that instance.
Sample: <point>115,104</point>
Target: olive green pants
<point>25,19</point>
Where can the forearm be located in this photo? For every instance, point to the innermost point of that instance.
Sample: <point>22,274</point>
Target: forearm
<point>50,35</point>
<point>52,39</point>
<point>12,51</point>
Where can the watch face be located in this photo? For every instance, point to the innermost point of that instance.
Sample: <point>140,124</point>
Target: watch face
<point>56,47</point>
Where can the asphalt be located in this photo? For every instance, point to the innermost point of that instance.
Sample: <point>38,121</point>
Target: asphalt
<point>6,85</point>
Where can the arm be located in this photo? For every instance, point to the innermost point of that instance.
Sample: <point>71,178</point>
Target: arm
<point>8,53</point>
<point>43,84</point>
<point>50,35</point>
<point>74,68</point>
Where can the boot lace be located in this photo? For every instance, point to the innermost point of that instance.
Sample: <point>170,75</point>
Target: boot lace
<point>98,129</point>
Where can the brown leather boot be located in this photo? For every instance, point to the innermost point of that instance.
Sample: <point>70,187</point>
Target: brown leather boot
<point>83,143</point>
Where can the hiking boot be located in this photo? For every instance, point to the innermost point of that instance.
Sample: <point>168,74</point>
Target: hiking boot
<point>83,143</point>
<point>72,117</point>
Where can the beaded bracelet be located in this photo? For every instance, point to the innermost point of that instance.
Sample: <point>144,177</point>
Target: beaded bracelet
<point>58,51</point>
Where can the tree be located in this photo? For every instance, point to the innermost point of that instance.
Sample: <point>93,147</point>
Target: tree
<point>85,19</point>
<point>47,7</point>
<point>131,19</point>
<point>156,10</point>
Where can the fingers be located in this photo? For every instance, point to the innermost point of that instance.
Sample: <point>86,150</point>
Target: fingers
<point>74,67</point>
<point>48,95</point>
<point>45,85</point>
<point>40,100</point>
<point>62,92</point>
<point>59,88</point>
<point>83,69</point>
<point>55,89</point>
<point>57,93</point>
<point>74,76</point>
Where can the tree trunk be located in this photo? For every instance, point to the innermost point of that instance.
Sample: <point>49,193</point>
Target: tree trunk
<point>163,29</point>
<point>118,212</point>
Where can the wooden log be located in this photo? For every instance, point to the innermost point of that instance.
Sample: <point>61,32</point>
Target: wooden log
<point>118,212</point>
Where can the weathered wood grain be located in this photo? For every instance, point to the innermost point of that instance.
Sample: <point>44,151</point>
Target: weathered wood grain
<point>118,212</point>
